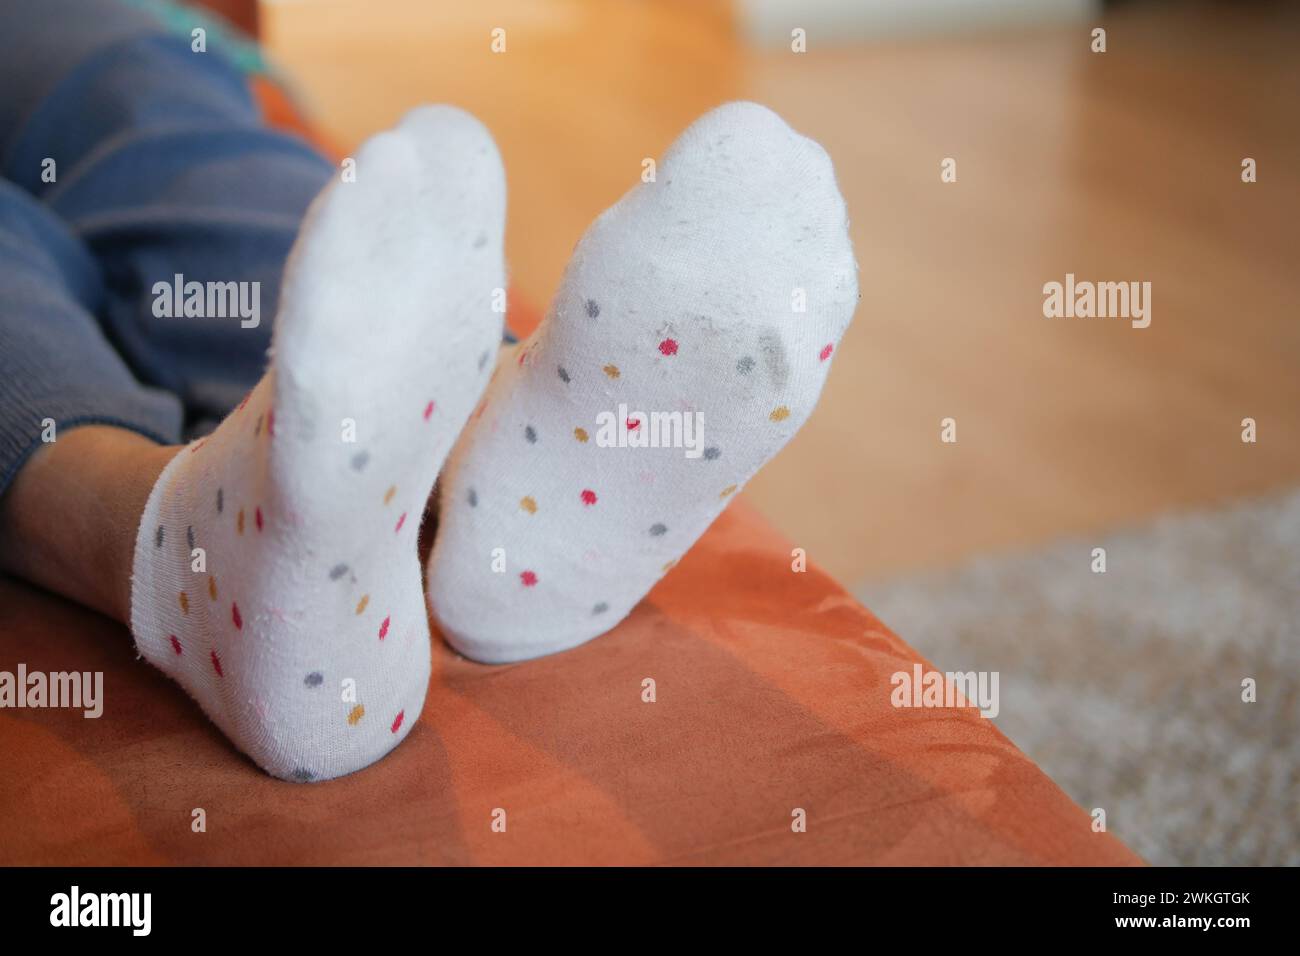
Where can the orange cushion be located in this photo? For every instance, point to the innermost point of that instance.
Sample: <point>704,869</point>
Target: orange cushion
<point>772,693</point>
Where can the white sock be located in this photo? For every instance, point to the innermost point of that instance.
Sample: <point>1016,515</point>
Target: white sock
<point>720,289</point>
<point>305,637</point>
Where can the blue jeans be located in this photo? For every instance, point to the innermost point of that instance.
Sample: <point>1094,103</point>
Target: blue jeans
<point>126,160</point>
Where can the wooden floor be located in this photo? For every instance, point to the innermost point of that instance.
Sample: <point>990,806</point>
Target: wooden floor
<point>1117,166</point>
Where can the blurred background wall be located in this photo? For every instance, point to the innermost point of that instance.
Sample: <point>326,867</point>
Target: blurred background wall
<point>1116,166</point>
<point>767,22</point>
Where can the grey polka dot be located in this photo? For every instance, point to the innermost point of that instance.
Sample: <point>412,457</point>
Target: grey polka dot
<point>531,434</point>
<point>593,308</point>
<point>338,571</point>
<point>483,360</point>
<point>360,460</point>
<point>158,538</point>
<point>481,241</point>
<point>221,500</point>
<point>189,536</point>
<point>600,608</point>
<point>314,679</point>
<point>473,498</point>
<point>564,376</point>
<point>303,775</point>
<point>658,529</point>
<point>712,453</point>
<point>745,365</point>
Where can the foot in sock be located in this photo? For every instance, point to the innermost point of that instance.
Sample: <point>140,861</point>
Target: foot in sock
<point>275,574</point>
<point>712,298</point>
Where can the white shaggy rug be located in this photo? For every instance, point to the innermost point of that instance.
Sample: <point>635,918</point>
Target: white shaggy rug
<point>1126,687</point>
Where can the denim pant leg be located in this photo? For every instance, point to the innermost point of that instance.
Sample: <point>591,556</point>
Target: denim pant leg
<point>164,170</point>
<point>57,369</point>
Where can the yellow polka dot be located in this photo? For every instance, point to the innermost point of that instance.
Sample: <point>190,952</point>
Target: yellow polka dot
<point>779,414</point>
<point>611,371</point>
<point>239,524</point>
<point>212,587</point>
<point>185,603</point>
<point>580,434</point>
<point>361,605</point>
<point>356,714</point>
<point>528,504</point>
<point>388,495</point>
<point>727,491</point>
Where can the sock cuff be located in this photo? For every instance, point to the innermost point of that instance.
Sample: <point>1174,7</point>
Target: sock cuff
<point>147,625</point>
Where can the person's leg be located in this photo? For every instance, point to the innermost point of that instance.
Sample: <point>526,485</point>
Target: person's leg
<point>79,436</point>
<point>68,520</point>
<point>148,161</point>
<point>153,158</point>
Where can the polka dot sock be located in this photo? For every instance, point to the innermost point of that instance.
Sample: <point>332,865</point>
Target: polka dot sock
<point>276,576</point>
<point>702,310</point>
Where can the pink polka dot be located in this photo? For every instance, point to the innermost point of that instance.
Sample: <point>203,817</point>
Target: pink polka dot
<point>257,515</point>
<point>176,645</point>
<point>826,352</point>
<point>400,521</point>
<point>528,578</point>
<point>633,424</point>
<point>428,410</point>
<point>588,497</point>
<point>236,617</point>
<point>216,663</point>
<point>397,722</point>
<point>668,346</point>
<point>383,628</point>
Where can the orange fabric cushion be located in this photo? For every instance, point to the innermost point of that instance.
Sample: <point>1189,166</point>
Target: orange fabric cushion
<point>772,693</point>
